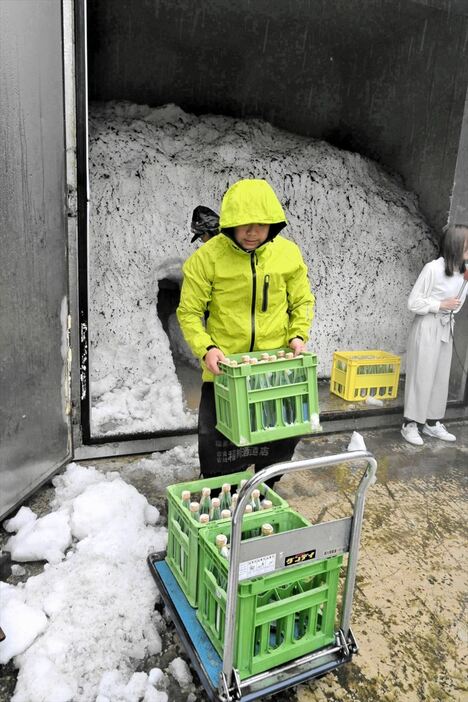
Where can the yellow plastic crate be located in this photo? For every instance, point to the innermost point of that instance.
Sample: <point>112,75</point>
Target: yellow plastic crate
<point>357,375</point>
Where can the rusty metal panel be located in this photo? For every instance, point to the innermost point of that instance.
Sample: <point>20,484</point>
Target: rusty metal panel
<point>34,426</point>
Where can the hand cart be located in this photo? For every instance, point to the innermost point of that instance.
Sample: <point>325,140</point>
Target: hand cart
<point>218,676</point>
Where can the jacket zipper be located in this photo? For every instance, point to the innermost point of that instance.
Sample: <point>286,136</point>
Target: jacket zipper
<point>254,297</point>
<point>266,285</point>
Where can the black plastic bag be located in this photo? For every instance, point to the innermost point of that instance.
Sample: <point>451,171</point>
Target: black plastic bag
<point>204,221</point>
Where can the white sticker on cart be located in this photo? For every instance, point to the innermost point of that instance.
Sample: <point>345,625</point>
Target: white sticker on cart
<point>257,566</point>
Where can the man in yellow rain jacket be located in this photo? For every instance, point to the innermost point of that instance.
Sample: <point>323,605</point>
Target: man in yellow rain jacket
<point>253,284</point>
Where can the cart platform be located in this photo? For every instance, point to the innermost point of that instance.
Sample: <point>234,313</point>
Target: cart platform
<point>219,677</point>
<point>208,664</point>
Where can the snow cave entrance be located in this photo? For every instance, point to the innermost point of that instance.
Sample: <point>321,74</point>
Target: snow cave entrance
<point>294,97</point>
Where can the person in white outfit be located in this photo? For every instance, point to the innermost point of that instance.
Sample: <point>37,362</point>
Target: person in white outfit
<point>436,297</point>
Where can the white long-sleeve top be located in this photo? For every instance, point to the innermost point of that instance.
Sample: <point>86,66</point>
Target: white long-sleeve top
<point>433,286</point>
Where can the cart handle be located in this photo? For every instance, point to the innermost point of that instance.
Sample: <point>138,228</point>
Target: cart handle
<point>368,478</point>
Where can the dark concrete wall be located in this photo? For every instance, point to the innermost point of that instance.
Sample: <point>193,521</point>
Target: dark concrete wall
<point>238,59</point>
<point>403,106</point>
<point>459,202</point>
<point>459,215</point>
<point>382,77</point>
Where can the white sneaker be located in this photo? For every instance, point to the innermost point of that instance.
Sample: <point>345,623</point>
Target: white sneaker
<point>438,431</point>
<point>411,434</point>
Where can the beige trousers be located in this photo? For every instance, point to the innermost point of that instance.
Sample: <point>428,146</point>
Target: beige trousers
<point>428,367</point>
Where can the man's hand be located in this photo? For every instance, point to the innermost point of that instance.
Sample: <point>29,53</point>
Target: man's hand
<point>211,360</point>
<point>450,303</point>
<point>297,345</point>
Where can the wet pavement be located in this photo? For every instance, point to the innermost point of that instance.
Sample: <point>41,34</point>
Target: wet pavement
<point>409,612</point>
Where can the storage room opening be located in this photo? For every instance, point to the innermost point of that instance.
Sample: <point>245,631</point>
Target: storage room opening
<point>352,111</point>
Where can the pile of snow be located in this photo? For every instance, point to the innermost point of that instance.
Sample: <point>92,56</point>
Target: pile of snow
<point>179,465</point>
<point>77,630</point>
<point>360,232</point>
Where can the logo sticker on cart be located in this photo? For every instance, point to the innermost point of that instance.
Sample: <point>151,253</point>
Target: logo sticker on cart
<point>257,566</point>
<point>300,557</point>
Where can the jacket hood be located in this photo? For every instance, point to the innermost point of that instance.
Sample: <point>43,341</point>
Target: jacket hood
<point>251,201</point>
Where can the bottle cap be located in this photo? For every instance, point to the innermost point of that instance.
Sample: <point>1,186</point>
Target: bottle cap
<point>225,514</point>
<point>233,363</point>
<point>206,491</point>
<point>185,495</point>
<point>255,494</point>
<point>194,506</point>
<point>267,504</point>
<point>267,530</point>
<point>221,540</point>
<point>253,360</point>
<point>281,354</point>
<point>289,355</point>
<point>265,356</point>
<point>246,359</point>
<point>215,502</point>
<point>248,509</point>
<point>204,518</point>
<point>226,487</point>
<point>272,357</point>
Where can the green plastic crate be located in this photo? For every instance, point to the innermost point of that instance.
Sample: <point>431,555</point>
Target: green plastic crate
<point>281,615</point>
<point>182,544</point>
<point>269,400</point>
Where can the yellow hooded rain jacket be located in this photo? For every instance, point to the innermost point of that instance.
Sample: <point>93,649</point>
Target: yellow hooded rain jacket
<point>256,300</point>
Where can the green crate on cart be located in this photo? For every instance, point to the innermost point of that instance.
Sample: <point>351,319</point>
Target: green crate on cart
<point>268,400</point>
<point>183,530</point>
<point>280,615</point>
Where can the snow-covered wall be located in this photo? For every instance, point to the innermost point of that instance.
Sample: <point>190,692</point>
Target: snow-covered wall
<point>360,232</point>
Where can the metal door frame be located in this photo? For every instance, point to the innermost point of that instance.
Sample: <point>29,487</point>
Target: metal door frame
<point>54,457</point>
<point>85,445</point>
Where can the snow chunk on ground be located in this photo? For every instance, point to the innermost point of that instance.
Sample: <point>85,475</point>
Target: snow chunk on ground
<point>179,670</point>
<point>103,503</point>
<point>156,677</point>
<point>99,599</point>
<point>24,516</point>
<point>136,687</point>
<point>41,681</point>
<point>153,695</point>
<point>151,514</point>
<point>113,688</point>
<point>10,592</point>
<point>44,539</point>
<point>22,625</point>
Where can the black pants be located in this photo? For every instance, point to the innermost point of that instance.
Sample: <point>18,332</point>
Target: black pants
<point>218,455</point>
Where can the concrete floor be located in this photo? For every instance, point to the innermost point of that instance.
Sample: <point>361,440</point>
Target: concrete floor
<point>409,614</point>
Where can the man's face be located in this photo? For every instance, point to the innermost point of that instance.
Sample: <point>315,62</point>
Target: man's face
<point>251,236</point>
